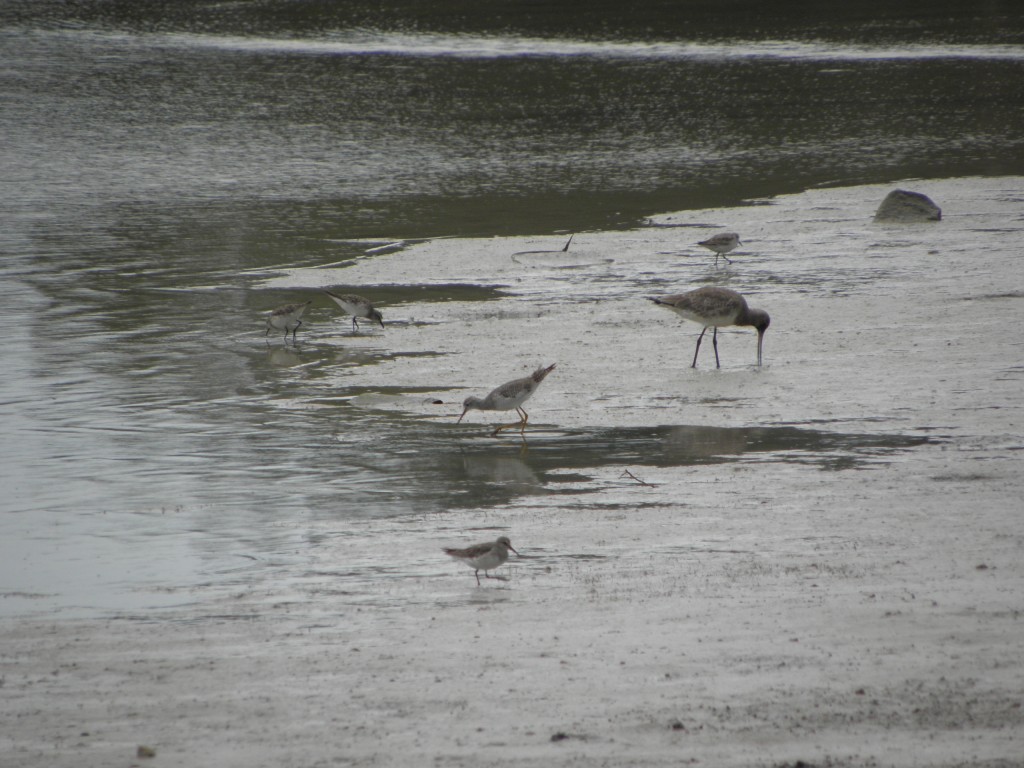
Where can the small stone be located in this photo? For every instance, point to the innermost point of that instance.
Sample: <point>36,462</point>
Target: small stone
<point>144,751</point>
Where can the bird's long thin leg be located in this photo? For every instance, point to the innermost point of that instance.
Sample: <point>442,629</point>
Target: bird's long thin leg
<point>699,339</point>
<point>355,324</point>
<point>728,260</point>
<point>523,418</point>
<point>294,331</point>
<point>714,342</point>
<point>526,418</point>
<point>477,574</point>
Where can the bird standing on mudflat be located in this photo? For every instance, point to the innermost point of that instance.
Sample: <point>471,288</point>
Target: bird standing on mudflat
<point>288,317</point>
<point>358,307</point>
<point>510,395</point>
<point>715,307</point>
<point>721,244</point>
<point>483,557</point>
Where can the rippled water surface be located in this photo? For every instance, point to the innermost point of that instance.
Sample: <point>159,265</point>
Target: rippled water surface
<point>166,183</point>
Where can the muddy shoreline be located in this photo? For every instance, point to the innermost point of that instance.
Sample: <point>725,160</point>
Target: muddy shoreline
<point>794,604</point>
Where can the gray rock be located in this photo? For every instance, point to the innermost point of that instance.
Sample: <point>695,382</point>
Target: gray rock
<point>901,205</point>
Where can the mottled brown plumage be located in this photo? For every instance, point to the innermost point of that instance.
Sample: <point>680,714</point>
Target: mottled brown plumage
<point>483,557</point>
<point>288,317</point>
<point>713,307</point>
<point>510,395</point>
<point>721,244</point>
<point>358,307</point>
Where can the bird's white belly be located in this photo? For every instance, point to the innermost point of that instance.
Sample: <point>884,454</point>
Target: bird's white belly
<point>706,320</point>
<point>485,562</point>
<point>281,322</point>
<point>505,404</point>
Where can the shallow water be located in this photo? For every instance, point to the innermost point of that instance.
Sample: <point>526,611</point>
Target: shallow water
<point>165,187</point>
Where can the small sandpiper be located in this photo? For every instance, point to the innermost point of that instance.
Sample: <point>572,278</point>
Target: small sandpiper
<point>484,557</point>
<point>712,306</point>
<point>358,307</point>
<point>721,244</point>
<point>288,317</point>
<point>509,395</point>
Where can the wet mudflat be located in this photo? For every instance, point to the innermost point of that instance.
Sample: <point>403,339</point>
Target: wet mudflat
<point>818,560</point>
<point>227,549</point>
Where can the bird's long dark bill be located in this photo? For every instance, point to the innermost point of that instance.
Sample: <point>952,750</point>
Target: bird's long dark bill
<point>463,414</point>
<point>760,342</point>
<point>514,549</point>
<point>381,323</point>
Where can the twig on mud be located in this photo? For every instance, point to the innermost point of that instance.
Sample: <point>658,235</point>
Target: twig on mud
<point>629,474</point>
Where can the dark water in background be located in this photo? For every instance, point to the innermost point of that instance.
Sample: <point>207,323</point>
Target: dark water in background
<point>285,117</point>
<point>154,151</point>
